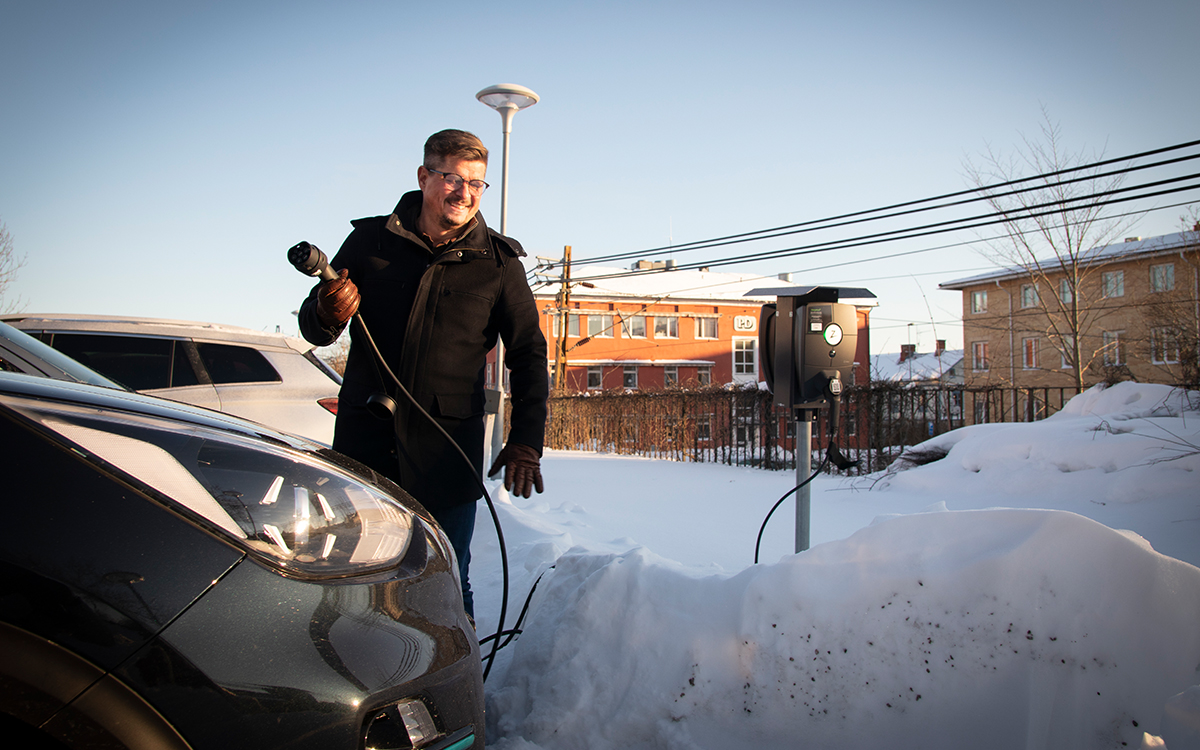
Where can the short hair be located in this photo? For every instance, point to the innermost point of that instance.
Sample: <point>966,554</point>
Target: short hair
<point>460,144</point>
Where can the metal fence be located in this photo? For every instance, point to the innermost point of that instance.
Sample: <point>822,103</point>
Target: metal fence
<point>742,427</point>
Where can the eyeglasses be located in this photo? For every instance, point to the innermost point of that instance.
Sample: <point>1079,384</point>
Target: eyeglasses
<point>455,182</point>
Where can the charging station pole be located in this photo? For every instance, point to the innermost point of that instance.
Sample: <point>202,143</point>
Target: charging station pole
<point>803,470</point>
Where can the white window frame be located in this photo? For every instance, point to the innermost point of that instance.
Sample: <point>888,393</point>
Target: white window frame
<point>702,323</point>
<point>634,326</point>
<point>1112,284</point>
<point>670,374</point>
<point>978,347</point>
<point>629,376</point>
<point>598,371</point>
<point>704,374</point>
<point>744,371</point>
<point>1164,347</point>
<point>1114,348</point>
<point>666,326</point>
<point>1029,353</point>
<point>1162,277</point>
<point>1068,344</point>
<point>979,301</point>
<point>1065,294</point>
<point>600,325</point>
<point>1029,296</point>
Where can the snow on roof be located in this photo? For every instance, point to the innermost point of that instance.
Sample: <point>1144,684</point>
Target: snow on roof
<point>681,284</point>
<point>688,284</point>
<point>1148,246</point>
<point>918,367</point>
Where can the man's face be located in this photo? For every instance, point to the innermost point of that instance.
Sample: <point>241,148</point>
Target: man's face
<point>445,209</point>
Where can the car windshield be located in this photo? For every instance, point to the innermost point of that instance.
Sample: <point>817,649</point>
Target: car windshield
<point>30,348</point>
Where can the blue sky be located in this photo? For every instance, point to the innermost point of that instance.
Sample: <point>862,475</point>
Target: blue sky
<point>158,159</point>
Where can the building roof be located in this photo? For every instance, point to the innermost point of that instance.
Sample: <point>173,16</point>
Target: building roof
<point>1163,244</point>
<point>918,367</point>
<point>677,285</point>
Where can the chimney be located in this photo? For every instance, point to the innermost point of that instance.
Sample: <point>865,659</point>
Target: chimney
<point>941,347</point>
<point>907,351</point>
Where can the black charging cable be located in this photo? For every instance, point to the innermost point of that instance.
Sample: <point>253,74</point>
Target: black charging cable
<point>833,392</point>
<point>311,261</point>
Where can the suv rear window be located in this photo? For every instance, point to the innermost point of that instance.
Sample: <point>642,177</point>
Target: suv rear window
<point>134,361</point>
<point>227,363</point>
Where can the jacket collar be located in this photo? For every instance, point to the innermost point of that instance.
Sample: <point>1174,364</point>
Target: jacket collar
<point>403,222</point>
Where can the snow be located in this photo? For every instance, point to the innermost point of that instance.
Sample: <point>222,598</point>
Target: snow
<point>1034,588</point>
<point>918,367</point>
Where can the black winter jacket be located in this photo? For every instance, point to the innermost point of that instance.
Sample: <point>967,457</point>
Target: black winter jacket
<point>434,314</point>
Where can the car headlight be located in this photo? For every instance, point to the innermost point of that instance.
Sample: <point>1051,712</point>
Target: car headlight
<point>294,510</point>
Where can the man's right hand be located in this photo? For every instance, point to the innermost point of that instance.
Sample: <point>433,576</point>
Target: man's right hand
<point>337,300</point>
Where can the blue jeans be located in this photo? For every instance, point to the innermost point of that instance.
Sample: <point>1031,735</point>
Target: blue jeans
<point>459,524</point>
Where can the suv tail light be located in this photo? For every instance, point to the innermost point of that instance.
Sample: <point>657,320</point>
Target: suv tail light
<point>330,404</point>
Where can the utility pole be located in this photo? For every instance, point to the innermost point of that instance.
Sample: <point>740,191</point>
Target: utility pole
<point>564,319</point>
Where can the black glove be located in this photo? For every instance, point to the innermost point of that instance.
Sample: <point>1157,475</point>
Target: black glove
<point>522,469</point>
<point>337,300</point>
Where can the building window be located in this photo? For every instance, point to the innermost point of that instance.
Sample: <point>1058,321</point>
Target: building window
<point>1029,295</point>
<point>600,326</point>
<point>1068,351</point>
<point>630,380</point>
<point>706,328</point>
<point>1164,346</point>
<point>671,375</point>
<point>595,378</point>
<point>635,326</point>
<point>1065,292</point>
<point>1114,348</point>
<point>704,428</point>
<point>979,356</point>
<point>1112,284</point>
<point>1162,277</point>
<point>744,360</point>
<point>1029,354</point>
<point>704,375</point>
<point>666,326</point>
<point>979,302</point>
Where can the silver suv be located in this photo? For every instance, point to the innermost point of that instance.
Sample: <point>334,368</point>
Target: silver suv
<point>267,377</point>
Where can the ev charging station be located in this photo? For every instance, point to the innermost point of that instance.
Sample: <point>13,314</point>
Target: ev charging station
<point>807,342</point>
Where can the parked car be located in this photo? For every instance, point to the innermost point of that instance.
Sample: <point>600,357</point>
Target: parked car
<point>180,578</point>
<point>20,352</point>
<point>267,377</point>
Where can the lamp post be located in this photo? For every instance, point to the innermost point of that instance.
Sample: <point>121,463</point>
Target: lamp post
<point>507,99</point>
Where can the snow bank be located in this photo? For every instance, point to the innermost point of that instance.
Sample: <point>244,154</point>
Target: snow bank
<point>999,629</point>
<point>1006,596</point>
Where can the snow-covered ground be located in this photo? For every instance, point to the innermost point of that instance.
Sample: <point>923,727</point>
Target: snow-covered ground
<point>1034,588</point>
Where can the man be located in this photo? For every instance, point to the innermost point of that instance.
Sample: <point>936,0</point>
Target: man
<point>435,288</point>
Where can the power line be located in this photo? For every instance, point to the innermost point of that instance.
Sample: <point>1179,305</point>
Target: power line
<point>905,234</point>
<point>979,193</point>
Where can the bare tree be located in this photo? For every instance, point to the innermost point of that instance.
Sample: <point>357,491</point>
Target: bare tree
<point>1051,228</point>
<point>10,263</point>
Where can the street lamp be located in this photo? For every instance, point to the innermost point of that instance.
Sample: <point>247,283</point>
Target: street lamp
<point>507,99</point>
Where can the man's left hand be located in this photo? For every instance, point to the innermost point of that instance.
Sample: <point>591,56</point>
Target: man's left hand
<point>522,469</point>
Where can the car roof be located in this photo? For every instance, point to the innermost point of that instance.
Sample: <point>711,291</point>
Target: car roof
<point>35,354</point>
<point>129,401</point>
<point>217,332</point>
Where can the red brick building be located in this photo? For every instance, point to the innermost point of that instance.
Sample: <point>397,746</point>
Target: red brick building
<point>654,330</point>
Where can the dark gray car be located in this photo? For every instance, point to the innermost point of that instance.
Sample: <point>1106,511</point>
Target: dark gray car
<point>180,578</point>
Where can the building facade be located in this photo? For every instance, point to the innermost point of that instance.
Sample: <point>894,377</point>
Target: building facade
<point>659,330</point>
<point>1136,307</point>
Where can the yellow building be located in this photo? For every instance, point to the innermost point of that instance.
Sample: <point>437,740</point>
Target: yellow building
<point>1136,307</point>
